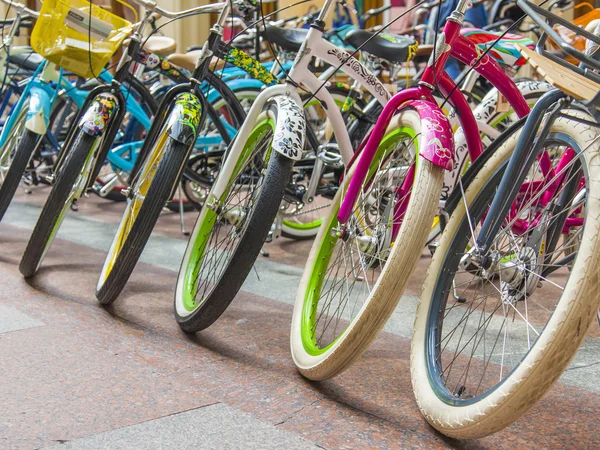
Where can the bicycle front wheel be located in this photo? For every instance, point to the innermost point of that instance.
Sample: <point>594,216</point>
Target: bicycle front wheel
<point>16,169</point>
<point>228,236</point>
<point>491,339</point>
<point>356,273</point>
<point>149,194</point>
<point>70,184</point>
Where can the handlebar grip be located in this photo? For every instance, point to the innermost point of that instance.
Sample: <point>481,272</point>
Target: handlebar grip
<point>374,12</point>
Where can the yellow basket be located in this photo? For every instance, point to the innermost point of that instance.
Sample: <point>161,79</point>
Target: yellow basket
<point>63,30</point>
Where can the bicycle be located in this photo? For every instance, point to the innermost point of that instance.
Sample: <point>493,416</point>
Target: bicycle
<point>247,193</point>
<point>512,288</point>
<point>32,132</point>
<point>125,255</point>
<point>378,224</point>
<point>91,137</point>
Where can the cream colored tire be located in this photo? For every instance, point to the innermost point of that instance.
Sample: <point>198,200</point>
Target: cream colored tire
<point>378,307</point>
<point>559,340</point>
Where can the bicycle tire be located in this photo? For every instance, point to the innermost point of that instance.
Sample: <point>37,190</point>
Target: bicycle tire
<point>122,264</point>
<point>318,362</point>
<point>259,224</point>
<point>17,168</point>
<point>560,338</point>
<point>256,228</point>
<point>57,203</point>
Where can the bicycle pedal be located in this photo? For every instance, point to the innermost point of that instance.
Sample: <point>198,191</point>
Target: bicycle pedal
<point>75,205</point>
<point>331,156</point>
<point>433,247</point>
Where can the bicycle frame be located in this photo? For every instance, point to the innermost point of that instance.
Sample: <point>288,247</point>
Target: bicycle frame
<point>244,65</point>
<point>438,139</point>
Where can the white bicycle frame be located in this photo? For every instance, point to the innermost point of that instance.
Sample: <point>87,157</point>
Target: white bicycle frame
<point>313,47</point>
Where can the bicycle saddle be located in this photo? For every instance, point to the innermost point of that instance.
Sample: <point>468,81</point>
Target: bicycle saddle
<point>289,39</point>
<point>391,47</point>
<point>160,45</point>
<point>29,60</point>
<point>505,51</point>
<point>188,60</point>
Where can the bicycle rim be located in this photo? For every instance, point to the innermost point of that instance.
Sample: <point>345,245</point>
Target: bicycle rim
<point>350,260</point>
<point>220,227</point>
<point>483,322</point>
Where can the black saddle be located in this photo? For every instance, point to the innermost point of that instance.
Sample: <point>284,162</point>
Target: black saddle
<point>289,39</point>
<point>28,61</point>
<point>391,47</point>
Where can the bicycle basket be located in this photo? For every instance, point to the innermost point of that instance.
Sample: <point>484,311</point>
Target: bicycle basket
<point>78,36</point>
<point>572,36</point>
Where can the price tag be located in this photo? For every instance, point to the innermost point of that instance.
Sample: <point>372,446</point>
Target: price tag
<point>392,88</point>
<point>502,104</point>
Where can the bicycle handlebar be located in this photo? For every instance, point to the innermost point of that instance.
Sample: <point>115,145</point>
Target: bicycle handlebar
<point>153,6</point>
<point>22,8</point>
<point>374,12</point>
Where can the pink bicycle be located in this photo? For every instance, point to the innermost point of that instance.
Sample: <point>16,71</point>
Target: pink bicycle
<point>379,221</point>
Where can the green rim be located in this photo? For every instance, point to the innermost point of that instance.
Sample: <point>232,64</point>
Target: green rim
<point>210,217</point>
<point>319,270</point>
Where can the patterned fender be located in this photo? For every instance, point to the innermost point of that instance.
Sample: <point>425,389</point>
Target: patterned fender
<point>437,143</point>
<point>290,128</point>
<point>98,114</point>
<point>184,119</point>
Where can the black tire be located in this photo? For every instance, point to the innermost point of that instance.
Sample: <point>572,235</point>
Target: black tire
<point>51,214</point>
<point>17,169</point>
<point>259,224</point>
<point>156,198</point>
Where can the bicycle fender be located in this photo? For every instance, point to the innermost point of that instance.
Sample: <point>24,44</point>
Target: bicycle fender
<point>97,116</point>
<point>290,127</point>
<point>184,119</point>
<point>38,114</point>
<point>437,143</point>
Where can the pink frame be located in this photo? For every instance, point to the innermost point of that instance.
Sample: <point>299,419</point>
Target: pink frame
<point>435,127</point>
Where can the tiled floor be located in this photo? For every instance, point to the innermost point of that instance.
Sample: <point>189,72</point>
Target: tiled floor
<point>127,377</point>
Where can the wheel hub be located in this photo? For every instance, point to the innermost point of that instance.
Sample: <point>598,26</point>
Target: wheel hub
<point>235,216</point>
<point>519,275</point>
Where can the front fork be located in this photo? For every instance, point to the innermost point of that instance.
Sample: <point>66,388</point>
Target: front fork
<point>525,153</point>
<point>181,115</point>
<point>100,116</point>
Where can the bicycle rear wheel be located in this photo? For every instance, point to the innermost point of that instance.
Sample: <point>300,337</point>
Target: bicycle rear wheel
<point>302,220</point>
<point>490,340</point>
